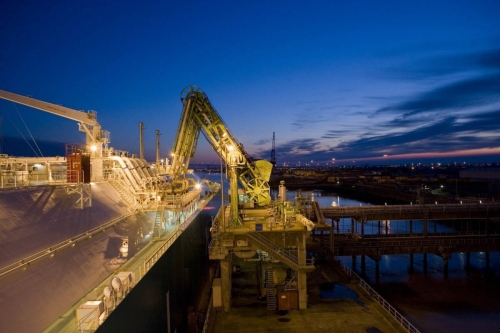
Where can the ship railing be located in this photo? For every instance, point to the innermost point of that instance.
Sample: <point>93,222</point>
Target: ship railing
<point>140,271</point>
<point>409,327</point>
<point>180,201</point>
<point>14,178</point>
<point>53,250</point>
<point>155,256</point>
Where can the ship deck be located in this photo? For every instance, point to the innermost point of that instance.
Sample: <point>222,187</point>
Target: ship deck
<point>43,294</point>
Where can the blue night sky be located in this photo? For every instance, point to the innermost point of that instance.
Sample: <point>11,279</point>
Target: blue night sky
<point>417,81</point>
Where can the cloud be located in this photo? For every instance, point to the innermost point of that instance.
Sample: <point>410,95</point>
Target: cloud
<point>447,136</point>
<point>458,117</point>
<point>471,92</point>
<point>442,65</point>
<point>335,134</point>
<point>489,59</point>
<point>308,118</point>
<point>262,142</point>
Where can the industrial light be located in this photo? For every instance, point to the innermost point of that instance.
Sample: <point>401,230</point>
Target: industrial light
<point>93,148</point>
<point>197,186</point>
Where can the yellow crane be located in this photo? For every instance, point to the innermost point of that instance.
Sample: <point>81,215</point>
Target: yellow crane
<point>199,115</point>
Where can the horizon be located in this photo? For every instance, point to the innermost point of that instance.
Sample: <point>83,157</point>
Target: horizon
<point>58,149</point>
<point>356,81</point>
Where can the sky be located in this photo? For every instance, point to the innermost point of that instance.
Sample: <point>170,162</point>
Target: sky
<point>337,82</point>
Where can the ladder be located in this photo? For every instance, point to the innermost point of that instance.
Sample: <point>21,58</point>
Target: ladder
<point>271,297</point>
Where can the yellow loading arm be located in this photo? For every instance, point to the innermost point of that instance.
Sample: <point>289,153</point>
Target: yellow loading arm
<point>199,115</point>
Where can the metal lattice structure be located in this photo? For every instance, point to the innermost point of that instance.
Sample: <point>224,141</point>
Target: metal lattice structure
<point>199,115</point>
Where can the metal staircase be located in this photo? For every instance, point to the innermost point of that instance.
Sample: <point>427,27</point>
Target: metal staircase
<point>158,221</point>
<point>287,257</point>
<point>124,193</point>
<point>320,218</point>
<point>271,297</point>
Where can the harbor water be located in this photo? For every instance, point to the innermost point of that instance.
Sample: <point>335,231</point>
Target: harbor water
<point>467,299</point>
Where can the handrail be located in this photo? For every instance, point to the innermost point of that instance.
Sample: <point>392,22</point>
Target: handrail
<point>289,257</point>
<point>349,211</point>
<point>409,327</point>
<point>148,263</point>
<point>155,256</point>
<point>51,251</point>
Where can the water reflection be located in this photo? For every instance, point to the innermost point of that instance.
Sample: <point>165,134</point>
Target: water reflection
<point>464,300</point>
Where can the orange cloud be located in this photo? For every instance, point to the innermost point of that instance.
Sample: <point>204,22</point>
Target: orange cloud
<point>456,153</point>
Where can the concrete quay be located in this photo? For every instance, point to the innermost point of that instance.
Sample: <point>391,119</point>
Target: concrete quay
<point>335,304</point>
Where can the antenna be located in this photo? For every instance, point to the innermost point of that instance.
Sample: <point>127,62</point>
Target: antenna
<point>273,153</point>
<point>157,147</point>
<point>141,141</point>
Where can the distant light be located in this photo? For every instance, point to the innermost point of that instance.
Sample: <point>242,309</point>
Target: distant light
<point>93,148</point>
<point>197,186</point>
<point>230,147</point>
<point>385,155</point>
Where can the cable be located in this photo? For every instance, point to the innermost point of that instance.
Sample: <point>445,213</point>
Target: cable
<point>21,134</point>
<point>26,126</point>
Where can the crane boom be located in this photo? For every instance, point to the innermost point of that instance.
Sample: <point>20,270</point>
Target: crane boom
<point>199,115</point>
<point>95,136</point>
<point>89,118</point>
